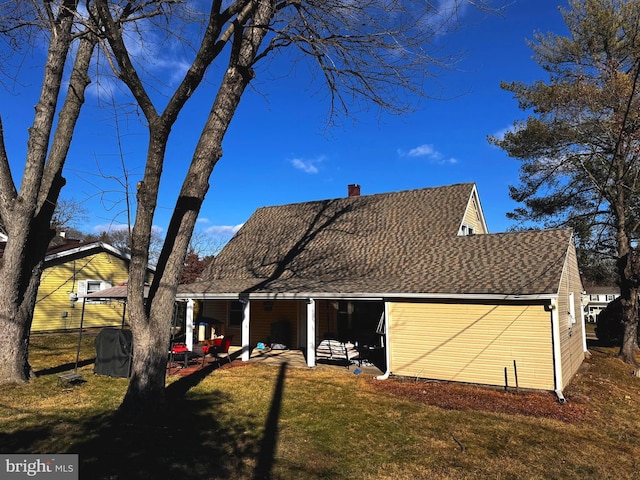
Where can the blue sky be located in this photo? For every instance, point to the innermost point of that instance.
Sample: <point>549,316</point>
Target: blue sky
<point>279,150</point>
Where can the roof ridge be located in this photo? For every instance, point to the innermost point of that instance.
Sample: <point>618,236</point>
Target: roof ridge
<point>370,195</point>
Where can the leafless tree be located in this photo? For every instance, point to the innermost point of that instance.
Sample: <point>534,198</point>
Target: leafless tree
<point>374,52</point>
<point>71,34</point>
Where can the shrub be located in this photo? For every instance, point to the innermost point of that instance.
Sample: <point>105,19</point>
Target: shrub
<point>609,327</point>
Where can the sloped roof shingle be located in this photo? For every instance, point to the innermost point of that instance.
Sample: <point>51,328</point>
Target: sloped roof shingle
<point>394,243</point>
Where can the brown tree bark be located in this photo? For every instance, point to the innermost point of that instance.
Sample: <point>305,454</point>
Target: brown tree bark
<point>151,320</point>
<point>27,214</point>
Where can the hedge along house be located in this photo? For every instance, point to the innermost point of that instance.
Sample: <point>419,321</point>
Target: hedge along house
<point>414,274</point>
<point>72,271</point>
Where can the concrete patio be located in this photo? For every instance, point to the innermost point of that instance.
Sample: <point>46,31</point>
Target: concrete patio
<point>294,358</point>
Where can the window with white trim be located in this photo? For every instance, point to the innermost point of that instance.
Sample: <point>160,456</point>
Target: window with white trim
<point>466,230</point>
<point>88,286</point>
<point>236,309</point>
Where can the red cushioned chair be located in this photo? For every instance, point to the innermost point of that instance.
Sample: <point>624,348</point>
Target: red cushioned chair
<point>222,351</point>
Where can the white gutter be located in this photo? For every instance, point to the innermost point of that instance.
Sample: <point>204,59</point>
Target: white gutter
<point>555,338</point>
<point>367,296</point>
<point>386,374</point>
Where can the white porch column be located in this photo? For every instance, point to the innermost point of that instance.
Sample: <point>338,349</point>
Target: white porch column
<point>311,332</point>
<point>189,324</point>
<point>246,315</point>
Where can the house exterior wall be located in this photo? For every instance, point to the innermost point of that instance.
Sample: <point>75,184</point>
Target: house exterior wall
<point>471,342</point>
<point>571,331</point>
<point>54,310</point>
<point>261,319</point>
<point>326,320</point>
<point>218,310</point>
<point>472,217</point>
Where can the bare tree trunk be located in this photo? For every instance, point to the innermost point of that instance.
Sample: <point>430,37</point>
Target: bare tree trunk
<point>27,214</point>
<point>628,272</point>
<point>151,321</point>
<point>17,301</point>
<point>629,295</point>
<point>349,42</point>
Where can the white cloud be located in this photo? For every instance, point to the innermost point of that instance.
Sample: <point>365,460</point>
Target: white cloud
<point>430,153</point>
<point>422,151</point>
<point>502,132</point>
<point>445,16</point>
<point>223,230</point>
<point>308,165</point>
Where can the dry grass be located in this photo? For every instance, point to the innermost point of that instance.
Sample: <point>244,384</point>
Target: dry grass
<point>261,421</point>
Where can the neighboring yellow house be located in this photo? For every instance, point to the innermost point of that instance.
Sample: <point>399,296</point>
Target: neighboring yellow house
<point>413,279</point>
<point>71,271</point>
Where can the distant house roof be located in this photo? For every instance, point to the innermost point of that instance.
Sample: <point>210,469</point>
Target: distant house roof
<point>118,292</point>
<point>602,289</point>
<point>74,247</point>
<point>402,243</point>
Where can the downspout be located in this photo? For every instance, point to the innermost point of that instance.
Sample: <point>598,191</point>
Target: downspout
<point>555,338</point>
<point>387,354</point>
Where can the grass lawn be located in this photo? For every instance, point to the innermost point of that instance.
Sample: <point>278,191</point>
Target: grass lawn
<point>260,421</point>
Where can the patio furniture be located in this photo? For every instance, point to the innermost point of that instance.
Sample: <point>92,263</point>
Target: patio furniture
<point>337,351</point>
<point>219,350</point>
<point>180,350</point>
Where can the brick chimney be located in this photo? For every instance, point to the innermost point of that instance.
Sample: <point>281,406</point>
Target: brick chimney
<point>354,190</point>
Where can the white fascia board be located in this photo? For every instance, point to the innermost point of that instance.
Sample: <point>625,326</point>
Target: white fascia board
<point>93,246</point>
<point>87,248</point>
<point>480,211</point>
<point>367,296</point>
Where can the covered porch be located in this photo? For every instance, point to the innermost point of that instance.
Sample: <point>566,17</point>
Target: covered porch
<point>288,325</point>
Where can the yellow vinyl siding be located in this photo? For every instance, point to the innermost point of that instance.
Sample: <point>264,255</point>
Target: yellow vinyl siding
<point>217,309</point>
<point>472,216</point>
<point>59,280</point>
<point>261,320</point>
<point>472,343</point>
<point>571,340</point>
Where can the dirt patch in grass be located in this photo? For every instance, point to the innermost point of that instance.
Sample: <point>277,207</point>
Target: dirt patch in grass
<point>453,396</point>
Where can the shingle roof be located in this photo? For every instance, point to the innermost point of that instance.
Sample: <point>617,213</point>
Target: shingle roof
<point>395,243</point>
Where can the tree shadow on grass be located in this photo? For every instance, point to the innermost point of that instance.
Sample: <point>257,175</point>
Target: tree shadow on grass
<point>64,367</point>
<point>192,440</point>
